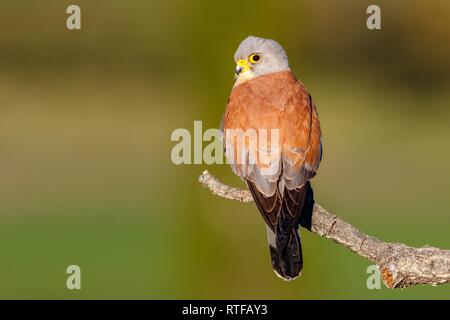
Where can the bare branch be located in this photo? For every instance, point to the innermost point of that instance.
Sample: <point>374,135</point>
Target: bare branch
<point>400,265</point>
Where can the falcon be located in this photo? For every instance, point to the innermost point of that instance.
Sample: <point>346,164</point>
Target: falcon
<point>273,141</point>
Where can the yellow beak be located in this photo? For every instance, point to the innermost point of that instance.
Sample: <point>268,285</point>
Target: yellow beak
<point>242,66</point>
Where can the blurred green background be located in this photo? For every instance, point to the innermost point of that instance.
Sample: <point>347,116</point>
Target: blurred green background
<point>85,124</point>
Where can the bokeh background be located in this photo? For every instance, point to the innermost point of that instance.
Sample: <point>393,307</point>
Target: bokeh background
<point>85,124</point>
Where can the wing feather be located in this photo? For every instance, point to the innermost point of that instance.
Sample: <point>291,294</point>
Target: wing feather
<point>276,101</point>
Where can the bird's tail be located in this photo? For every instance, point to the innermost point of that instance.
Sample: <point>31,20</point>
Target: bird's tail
<point>285,244</point>
<point>287,262</point>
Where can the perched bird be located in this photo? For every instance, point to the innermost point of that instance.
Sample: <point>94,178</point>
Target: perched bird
<point>267,96</point>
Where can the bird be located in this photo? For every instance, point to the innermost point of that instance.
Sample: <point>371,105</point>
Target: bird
<point>267,96</point>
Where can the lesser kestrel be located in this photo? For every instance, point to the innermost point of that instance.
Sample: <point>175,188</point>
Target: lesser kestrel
<point>267,98</point>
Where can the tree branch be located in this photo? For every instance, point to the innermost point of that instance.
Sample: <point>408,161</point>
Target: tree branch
<point>400,265</point>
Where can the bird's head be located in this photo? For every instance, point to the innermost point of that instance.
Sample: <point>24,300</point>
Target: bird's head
<point>258,56</point>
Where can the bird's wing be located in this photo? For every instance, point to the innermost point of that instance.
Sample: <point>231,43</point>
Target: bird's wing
<point>302,150</point>
<point>275,101</point>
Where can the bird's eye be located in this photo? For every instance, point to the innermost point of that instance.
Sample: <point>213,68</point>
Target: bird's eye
<point>254,58</point>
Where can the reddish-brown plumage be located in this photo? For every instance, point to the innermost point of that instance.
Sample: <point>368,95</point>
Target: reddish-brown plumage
<point>273,142</point>
<point>278,101</point>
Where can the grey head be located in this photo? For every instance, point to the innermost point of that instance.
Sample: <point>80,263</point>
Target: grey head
<point>258,56</point>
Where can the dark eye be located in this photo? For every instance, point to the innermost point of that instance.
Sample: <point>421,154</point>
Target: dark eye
<point>254,58</point>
